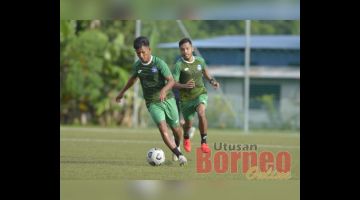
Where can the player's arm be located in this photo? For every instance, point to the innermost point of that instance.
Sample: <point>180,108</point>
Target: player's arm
<point>165,71</point>
<point>211,80</point>
<point>128,85</point>
<point>189,84</point>
<point>170,83</point>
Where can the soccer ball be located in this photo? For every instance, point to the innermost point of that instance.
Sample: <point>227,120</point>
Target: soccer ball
<point>155,156</point>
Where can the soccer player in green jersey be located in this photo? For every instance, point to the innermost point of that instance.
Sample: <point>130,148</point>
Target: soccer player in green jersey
<point>156,82</point>
<point>188,74</point>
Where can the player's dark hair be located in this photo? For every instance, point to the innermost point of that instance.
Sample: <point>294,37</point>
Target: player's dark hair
<point>184,40</point>
<point>141,41</point>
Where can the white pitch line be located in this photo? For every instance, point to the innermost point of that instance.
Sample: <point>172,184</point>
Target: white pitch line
<point>278,146</point>
<point>110,141</point>
<point>108,130</point>
<point>131,130</point>
<point>157,142</point>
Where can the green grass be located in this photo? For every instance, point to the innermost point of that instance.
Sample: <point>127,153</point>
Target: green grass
<point>119,154</point>
<point>103,163</point>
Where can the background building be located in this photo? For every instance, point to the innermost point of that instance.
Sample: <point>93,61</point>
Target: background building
<point>274,79</point>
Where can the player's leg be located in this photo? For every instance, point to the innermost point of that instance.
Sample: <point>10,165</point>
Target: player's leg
<point>165,135</point>
<point>172,119</point>
<point>203,125</point>
<point>182,121</point>
<point>191,132</point>
<point>202,118</point>
<point>177,135</point>
<point>188,111</point>
<point>170,143</point>
<point>187,128</point>
<point>157,112</point>
<point>177,132</point>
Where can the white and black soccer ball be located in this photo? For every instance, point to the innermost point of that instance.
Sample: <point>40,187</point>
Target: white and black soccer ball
<point>155,156</point>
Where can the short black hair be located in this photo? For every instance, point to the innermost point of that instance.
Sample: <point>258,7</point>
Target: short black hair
<point>184,40</point>
<point>141,41</point>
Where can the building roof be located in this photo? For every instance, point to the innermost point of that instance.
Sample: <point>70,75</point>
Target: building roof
<point>238,41</point>
<point>240,10</point>
<point>256,72</point>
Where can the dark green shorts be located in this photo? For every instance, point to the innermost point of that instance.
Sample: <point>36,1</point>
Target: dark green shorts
<point>165,110</point>
<point>188,108</point>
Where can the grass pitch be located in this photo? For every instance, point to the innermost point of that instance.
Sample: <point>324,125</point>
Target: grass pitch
<point>119,153</point>
<point>108,163</point>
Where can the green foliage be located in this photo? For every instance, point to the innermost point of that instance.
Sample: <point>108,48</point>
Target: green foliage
<point>272,111</point>
<point>219,113</point>
<point>67,30</point>
<point>91,74</point>
<point>275,119</point>
<point>86,54</point>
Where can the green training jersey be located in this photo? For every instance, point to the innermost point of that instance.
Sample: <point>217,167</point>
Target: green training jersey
<point>152,78</point>
<point>185,71</point>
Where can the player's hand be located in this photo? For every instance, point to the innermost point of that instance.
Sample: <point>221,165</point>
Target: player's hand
<point>216,85</point>
<point>162,95</point>
<point>190,84</point>
<point>119,97</point>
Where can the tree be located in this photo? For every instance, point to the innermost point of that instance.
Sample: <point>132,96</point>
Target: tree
<point>91,73</point>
